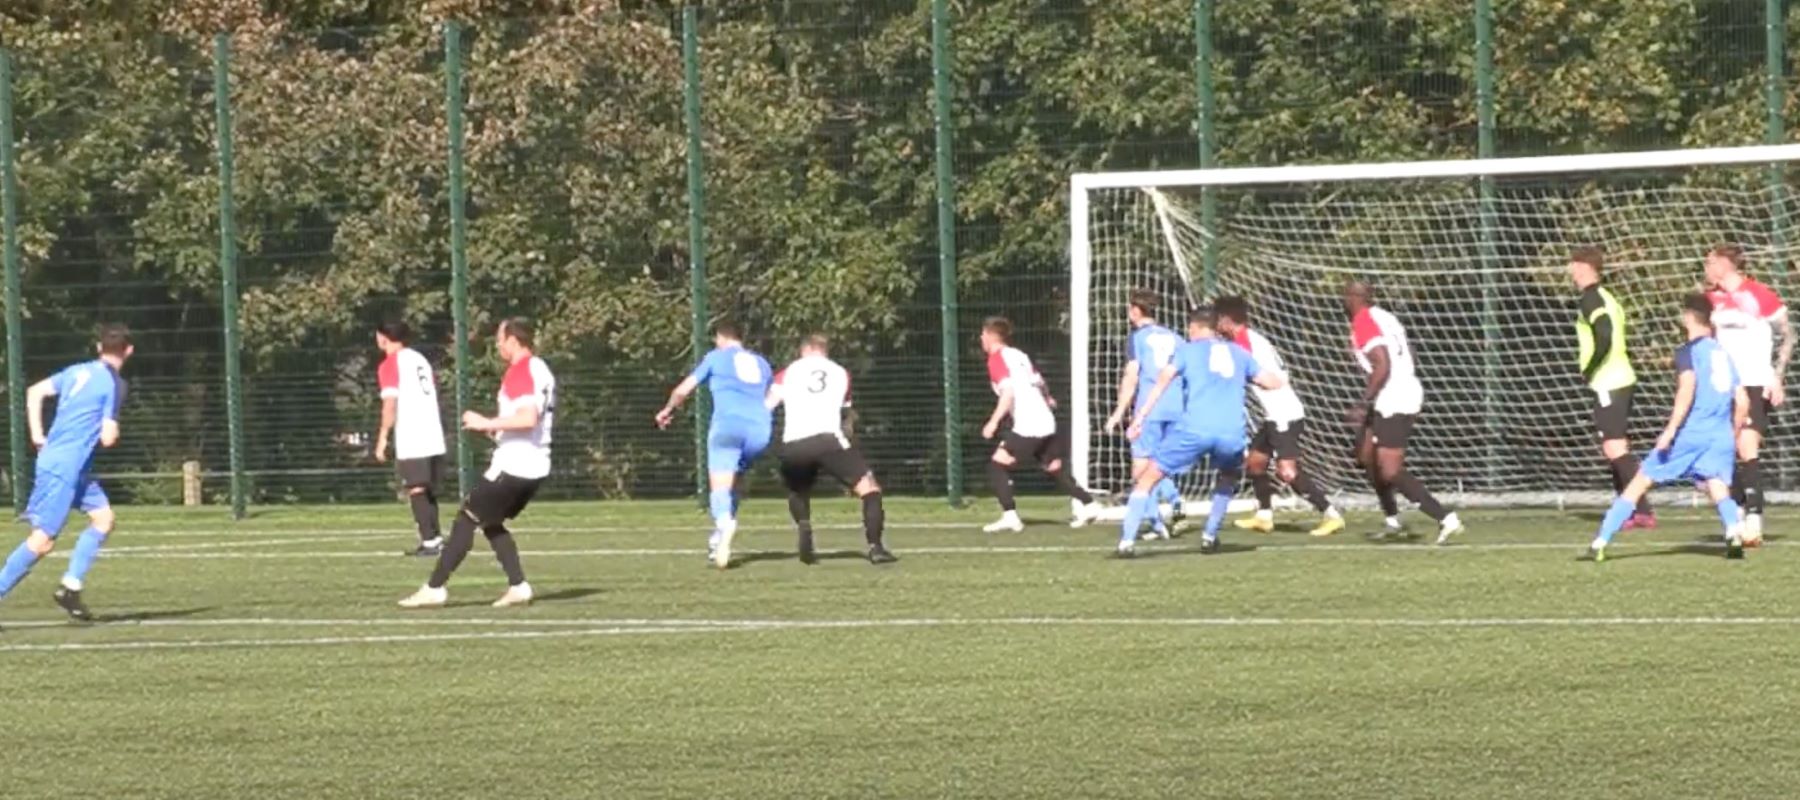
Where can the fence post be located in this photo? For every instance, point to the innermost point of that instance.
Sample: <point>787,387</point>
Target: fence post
<point>9,253</point>
<point>1775,95</point>
<point>234,375</point>
<point>459,249</point>
<point>696,189</point>
<point>946,224</point>
<point>1490,259</point>
<point>1203,87</point>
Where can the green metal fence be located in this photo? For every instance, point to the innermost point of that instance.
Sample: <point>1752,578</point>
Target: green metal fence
<point>887,172</point>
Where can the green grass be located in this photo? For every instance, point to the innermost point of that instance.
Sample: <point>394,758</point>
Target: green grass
<point>267,660</point>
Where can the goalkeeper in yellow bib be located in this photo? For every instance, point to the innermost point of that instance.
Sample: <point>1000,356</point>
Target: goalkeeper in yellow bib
<point>1605,363</point>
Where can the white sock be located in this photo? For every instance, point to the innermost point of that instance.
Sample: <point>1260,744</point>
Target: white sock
<point>1393,522</point>
<point>71,584</point>
<point>1331,512</point>
<point>1265,513</point>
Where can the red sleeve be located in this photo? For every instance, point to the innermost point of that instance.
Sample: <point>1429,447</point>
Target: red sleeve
<point>1242,337</point>
<point>1364,329</point>
<point>1767,302</point>
<point>518,382</point>
<point>996,367</point>
<point>387,376</point>
<point>780,375</point>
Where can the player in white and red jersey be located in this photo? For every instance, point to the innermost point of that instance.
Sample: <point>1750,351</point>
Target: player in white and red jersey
<point>816,390</point>
<point>520,464</point>
<point>1023,395</point>
<point>1748,319</point>
<point>409,410</point>
<point>1278,438</point>
<point>1390,405</point>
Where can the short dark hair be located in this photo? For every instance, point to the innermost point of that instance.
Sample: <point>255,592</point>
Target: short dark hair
<point>114,338</point>
<point>816,340</point>
<point>728,329</point>
<point>395,330</point>
<point>1696,303</point>
<point>1203,316</point>
<point>1145,300</point>
<point>1591,255</point>
<point>999,326</point>
<point>1733,253</point>
<point>1234,308</point>
<point>521,329</point>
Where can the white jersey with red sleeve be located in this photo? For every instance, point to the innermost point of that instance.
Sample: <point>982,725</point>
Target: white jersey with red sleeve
<point>1280,406</point>
<point>525,454</point>
<point>815,390</point>
<point>1743,322</point>
<point>1031,415</point>
<point>1375,327</point>
<point>406,378</point>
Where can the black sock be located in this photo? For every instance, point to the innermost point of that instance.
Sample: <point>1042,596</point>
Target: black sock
<point>1384,492</point>
<point>800,508</point>
<point>874,518</point>
<point>1415,491</point>
<point>1750,475</point>
<point>462,537</point>
<point>1067,485</point>
<point>425,513</point>
<point>1000,477</point>
<point>1313,492</point>
<point>1264,488</point>
<point>507,551</point>
<point>1624,468</point>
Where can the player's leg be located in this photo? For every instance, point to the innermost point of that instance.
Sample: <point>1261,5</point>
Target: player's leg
<point>1227,460</point>
<point>485,498</point>
<point>1291,472</point>
<point>799,470</point>
<point>1141,504</point>
<point>999,469</point>
<point>1149,438</point>
<point>517,495</point>
<point>98,509</point>
<point>1612,419</point>
<point>52,500</point>
<point>847,465</point>
<point>1719,490</point>
<point>1050,455</point>
<point>724,454</point>
<point>1262,484</point>
<point>1392,433</point>
<point>1746,485</point>
<point>1384,493</point>
<point>1655,469</point>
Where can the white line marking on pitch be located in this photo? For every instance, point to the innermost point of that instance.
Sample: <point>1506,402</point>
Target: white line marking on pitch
<point>604,627</point>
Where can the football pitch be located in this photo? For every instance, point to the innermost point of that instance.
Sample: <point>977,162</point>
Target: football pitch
<point>267,659</point>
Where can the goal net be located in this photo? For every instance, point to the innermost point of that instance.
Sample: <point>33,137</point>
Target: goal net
<point>1475,268</point>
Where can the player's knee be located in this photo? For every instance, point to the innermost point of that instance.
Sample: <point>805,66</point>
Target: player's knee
<point>40,544</point>
<point>1614,448</point>
<point>101,519</point>
<point>867,486</point>
<point>1054,466</point>
<point>1004,458</point>
<point>415,490</point>
<point>495,531</point>
<point>1287,471</point>
<point>1389,471</point>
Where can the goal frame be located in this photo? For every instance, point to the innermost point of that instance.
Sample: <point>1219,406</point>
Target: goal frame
<point>1081,185</point>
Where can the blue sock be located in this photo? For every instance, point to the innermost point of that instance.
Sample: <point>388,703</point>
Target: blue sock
<point>1166,492</point>
<point>1616,516</point>
<point>1215,516</point>
<point>18,565</point>
<point>1728,514</point>
<point>87,548</point>
<point>1136,509</point>
<point>720,504</point>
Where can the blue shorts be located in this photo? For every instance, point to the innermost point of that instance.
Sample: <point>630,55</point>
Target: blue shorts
<point>1182,450</point>
<point>1703,458</point>
<point>732,444</point>
<point>54,496</point>
<point>1155,431</point>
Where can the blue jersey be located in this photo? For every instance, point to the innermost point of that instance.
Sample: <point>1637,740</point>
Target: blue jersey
<point>1215,372</point>
<point>1715,388</point>
<point>87,395</point>
<point>738,379</point>
<point>1153,347</point>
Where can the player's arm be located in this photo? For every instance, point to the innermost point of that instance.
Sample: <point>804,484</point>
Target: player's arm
<point>682,392</point>
<point>1003,405</point>
<point>389,408</point>
<point>1784,331</point>
<point>523,418</point>
<point>1163,380</point>
<point>1127,390</point>
<point>34,408</point>
<point>1379,370</point>
<point>772,396</point>
<point>1602,325</point>
<point>1740,409</point>
<point>1684,401</point>
<point>1269,379</point>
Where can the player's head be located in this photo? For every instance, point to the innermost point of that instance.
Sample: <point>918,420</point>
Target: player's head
<point>1141,306</point>
<point>516,337</point>
<point>1358,296</point>
<point>114,341</point>
<point>1723,262</point>
<point>1233,314</point>
<point>1696,315</point>
<point>1584,266</point>
<point>996,332</point>
<point>815,344</point>
<point>392,335</point>
<point>727,333</point>
<point>1203,323</point>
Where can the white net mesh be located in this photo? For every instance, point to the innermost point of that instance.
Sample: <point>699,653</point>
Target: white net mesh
<point>1490,317</point>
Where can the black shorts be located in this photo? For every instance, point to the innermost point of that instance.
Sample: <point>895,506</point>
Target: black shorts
<point>1281,440</point>
<point>424,472</point>
<point>495,501</point>
<point>1043,449</point>
<point>1612,416</point>
<point>1759,410</point>
<point>803,459</point>
<point>1390,430</point>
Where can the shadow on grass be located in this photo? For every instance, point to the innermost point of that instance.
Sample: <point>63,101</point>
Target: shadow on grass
<point>146,616</point>
<point>1709,549</point>
<point>780,555</point>
<point>1225,549</point>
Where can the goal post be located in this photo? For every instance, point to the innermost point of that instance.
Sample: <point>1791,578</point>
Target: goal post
<point>1506,412</point>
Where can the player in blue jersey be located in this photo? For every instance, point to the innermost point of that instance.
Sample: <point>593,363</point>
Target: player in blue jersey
<point>88,396</point>
<point>738,379</point>
<point>1213,373</point>
<point>1148,349</point>
<point>1700,441</point>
